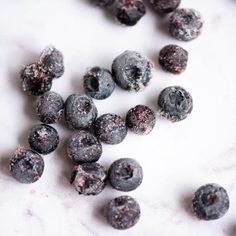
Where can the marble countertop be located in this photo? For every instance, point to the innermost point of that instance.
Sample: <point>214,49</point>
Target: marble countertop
<point>176,158</point>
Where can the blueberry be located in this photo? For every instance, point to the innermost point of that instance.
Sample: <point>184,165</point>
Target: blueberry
<point>175,103</point>
<point>185,24</point>
<point>165,6</point>
<point>26,166</point>
<point>80,111</point>
<point>110,128</point>
<point>103,3</point>
<point>89,178</point>
<point>132,71</point>
<point>211,202</point>
<point>125,174</point>
<point>43,139</point>
<point>141,119</point>
<point>84,147</point>
<point>98,83</point>
<point>122,212</point>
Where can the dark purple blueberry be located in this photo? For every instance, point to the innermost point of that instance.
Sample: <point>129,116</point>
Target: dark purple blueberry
<point>84,147</point>
<point>103,3</point>
<point>175,103</point>
<point>125,174</point>
<point>99,83</point>
<point>80,111</point>
<point>43,139</point>
<point>50,107</point>
<point>185,24</point>
<point>211,202</point>
<point>110,128</point>
<point>132,71</point>
<point>34,80</point>
<point>141,119</point>
<point>122,212</point>
<point>89,178</point>
<point>26,166</point>
<point>165,6</point>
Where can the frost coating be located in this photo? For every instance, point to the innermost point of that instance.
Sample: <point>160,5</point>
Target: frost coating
<point>165,6</point>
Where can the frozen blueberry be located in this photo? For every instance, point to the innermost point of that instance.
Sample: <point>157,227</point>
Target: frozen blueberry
<point>84,147</point>
<point>211,202</point>
<point>26,166</point>
<point>103,3</point>
<point>89,178</point>
<point>50,107</point>
<point>125,174</point>
<point>141,119</point>
<point>43,139</point>
<point>165,6</point>
<point>110,128</point>
<point>175,103</point>
<point>185,24</point>
<point>34,80</point>
<point>80,111</point>
<point>132,71</point>
<point>98,83</point>
<point>122,212</point>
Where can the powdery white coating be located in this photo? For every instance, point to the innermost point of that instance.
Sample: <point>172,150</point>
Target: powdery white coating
<point>165,6</point>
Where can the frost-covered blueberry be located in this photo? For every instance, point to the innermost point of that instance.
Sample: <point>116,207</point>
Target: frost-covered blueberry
<point>26,166</point>
<point>122,212</point>
<point>175,103</point>
<point>43,139</point>
<point>103,3</point>
<point>80,111</point>
<point>99,83</point>
<point>132,71</point>
<point>165,6</point>
<point>89,178</point>
<point>125,174</point>
<point>84,147</point>
<point>110,128</point>
<point>210,202</point>
<point>141,119</point>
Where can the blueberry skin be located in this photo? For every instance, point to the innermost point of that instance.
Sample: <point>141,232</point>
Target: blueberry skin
<point>80,111</point>
<point>125,174</point>
<point>165,6</point>
<point>26,166</point>
<point>210,202</point>
<point>110,128</point>
<point>175,103</point>
<point>89,178</point>
<point>132,71</point>
<point>122,212</point>
<point>99,83</point>
<point>84,147</point>
<point>103,3</point>
<point>44,139</point>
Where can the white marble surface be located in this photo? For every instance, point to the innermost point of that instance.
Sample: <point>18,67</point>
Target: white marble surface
<point>177,158</point>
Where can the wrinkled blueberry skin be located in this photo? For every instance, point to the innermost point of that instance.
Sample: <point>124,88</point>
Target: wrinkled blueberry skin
<point>89,178</point>
<point>110,128</point>
<point>175,103</point>
<point>84,147</point>
<point>43,139</point>
<point>165,6</point>
<point>141,119</point>
<point>49,107</point>
<point>185,24</point>
<point>210,202</point>
<point>125,174</point>
<point>122,212</point>
<point>80,111</point>
<point>103,3</point>
<point>99,83</point>
<point>26,166</point>
<point>132,71</point>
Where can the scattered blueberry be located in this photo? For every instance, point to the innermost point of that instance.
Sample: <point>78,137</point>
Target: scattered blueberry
<point>103,3</point>
<point>211,202</point>
<point>175,103</point>
<point>132,71</point>
<point>89,178</point>
<point>43,139</point>
<point>26,166</point>
<point>165,6</point>
<point>141,119</point>
<point>110,128</point>
<point>84,147</point>
<point>99,83</point>
<point>122,212</point>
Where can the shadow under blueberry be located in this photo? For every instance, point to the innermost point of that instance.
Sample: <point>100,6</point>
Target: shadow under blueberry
<point>4,163</point>
<point>231,231</point>
<point>186,204</point>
